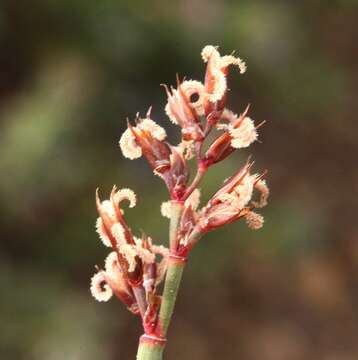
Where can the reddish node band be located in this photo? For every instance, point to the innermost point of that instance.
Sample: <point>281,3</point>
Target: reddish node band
<point>178,258</point>
<point>153,340</point>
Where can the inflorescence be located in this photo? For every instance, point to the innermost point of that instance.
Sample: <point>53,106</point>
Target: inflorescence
<point>136,266</point>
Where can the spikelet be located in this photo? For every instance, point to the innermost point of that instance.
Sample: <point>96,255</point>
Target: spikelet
<point>130,148</point>
<point>217,66</point>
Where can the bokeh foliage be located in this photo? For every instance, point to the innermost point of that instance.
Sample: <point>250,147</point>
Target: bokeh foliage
<point>71,72</point>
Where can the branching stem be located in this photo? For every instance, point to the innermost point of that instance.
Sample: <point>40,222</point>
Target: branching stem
<point>199,175</point>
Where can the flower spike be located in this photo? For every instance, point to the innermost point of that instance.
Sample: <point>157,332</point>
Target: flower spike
<point>136,266</point>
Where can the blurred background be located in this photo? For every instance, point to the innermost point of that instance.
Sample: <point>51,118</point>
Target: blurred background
<point>70,74</point>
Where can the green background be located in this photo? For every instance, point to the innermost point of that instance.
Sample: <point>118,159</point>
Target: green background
<point>71,72</point>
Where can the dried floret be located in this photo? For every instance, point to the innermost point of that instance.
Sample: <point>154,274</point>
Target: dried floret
<point>156,130</point>
<point>166,209</point>
<point>126,194</point>
<point>99,288</point>
<point>244,135</point>
<point>254,221</point>
<point>101,230</point>
<point>130,148</point>
<point>129,143</point>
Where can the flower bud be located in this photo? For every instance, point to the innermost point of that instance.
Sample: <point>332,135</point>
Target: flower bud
<point>219,150</point>
<point>231,202</point>
<point>178,174</point>
<point>116,232</point>
<point>183,112</point>
<point>239,133</point>
<point>156,151</point>
<point>215,77</point>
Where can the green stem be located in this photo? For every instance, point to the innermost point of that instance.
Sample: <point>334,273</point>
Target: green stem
<point>199,175</point>
<point>171,287</point>
<point>176,211</point>
<point>174,272</point>
<point>154,350</point>
<point>150,349</point>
